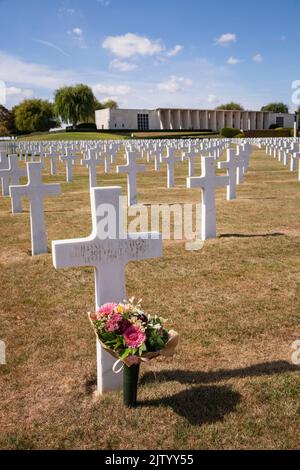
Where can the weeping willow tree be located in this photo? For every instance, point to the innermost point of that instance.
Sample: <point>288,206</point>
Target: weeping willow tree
<point>74,103</point>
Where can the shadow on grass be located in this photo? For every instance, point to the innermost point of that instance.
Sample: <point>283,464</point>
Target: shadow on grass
<point>258,198</point>
<point>29,252</point>
<point>203,404</point>
<point>48,211</point>
<point>251,235</point>
<point>200,405</point>
<point>199,377</point>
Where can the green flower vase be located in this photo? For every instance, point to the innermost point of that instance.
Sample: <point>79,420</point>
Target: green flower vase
<point>130,385</point>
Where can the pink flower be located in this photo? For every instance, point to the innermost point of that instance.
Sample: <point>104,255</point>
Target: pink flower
<point>134,337</point>
<point>106,309</point>
<point>113,324</point>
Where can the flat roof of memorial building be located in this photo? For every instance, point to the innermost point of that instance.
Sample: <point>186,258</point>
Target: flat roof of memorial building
<point>205,109</point>
<point>192,109</point>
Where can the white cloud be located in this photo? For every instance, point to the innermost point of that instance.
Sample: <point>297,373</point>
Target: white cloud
<point>122,65</point>
<point>226,39</point>
<point>13,95</point>
<point>233,61</point>
<point>77,35</point>
<point>174,84</point>
<point>130,45</point>
<point>104,3</point>
<point>258,58</point>
<point>212,99</point>
<point>102,89</point>
<point>176,49</point>
<point>52,46</point>
<point>17,71</point>
<point>13,91</point>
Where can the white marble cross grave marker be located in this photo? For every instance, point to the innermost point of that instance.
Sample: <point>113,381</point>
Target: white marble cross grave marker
<point>35,190</point>
<point>208,182</point>
<point>157,156</point>
<point>11,174</point>
<point>190,155</point>
<point>3,157</point>
<point>92,163</point>
<point>230,165</point>
<point>107,157</point>
<point>293,162</point>
<point>53,160</point>
<point>107,163</point>
<point>108,249</point>
<point>240,165</point>
<point>131,169</point>
<point>246,148</point>
<point>4,165</point>
<point>69,160</point>
<point>170,159</point>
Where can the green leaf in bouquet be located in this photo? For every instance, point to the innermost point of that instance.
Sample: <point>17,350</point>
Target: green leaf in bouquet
<point>142,349</point>
<point>156,339</point>
<point>124,355</point>
<point>128,352</point>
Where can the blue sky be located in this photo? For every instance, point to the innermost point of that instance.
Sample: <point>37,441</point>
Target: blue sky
<point>154,53</point>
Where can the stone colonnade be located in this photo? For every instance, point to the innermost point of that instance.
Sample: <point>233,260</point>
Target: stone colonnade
<point>193,119</point>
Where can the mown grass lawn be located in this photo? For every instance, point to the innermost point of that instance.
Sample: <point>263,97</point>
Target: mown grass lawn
<point>175,134</point>
<point>235,303</point>
<point>74,136</point>
<point>115,136</point>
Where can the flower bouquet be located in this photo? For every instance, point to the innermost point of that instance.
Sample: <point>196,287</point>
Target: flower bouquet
<point>132,336</point>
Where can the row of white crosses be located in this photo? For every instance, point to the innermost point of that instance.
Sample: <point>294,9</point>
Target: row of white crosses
<point>92,159</point>
<point>110,256</point>
<point>286,152</point>
<point>106,153</point>
<point>235,164</point>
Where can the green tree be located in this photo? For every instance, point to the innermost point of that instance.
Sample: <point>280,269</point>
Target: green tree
<point>276,108</point>
<point>98,105</point>
<point>112,104</point>
<point>298,117</point>
<point>231,107</point>
<point>6,121</point>
<point>75,103</point>
<point>107,104</point>
<point>34,115</point>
